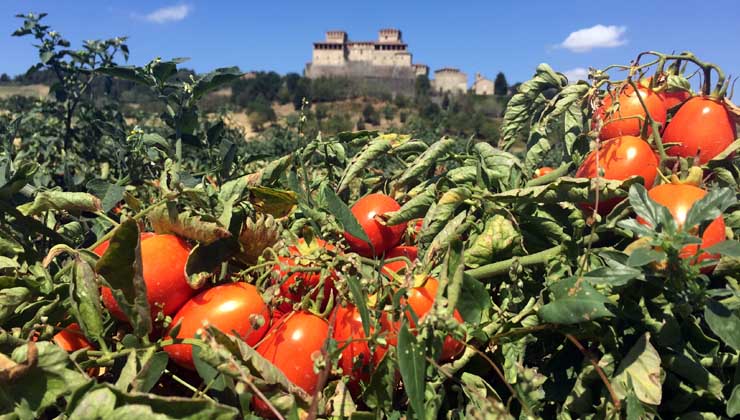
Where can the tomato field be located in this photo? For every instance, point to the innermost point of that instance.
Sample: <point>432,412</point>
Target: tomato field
<point>583,265</point>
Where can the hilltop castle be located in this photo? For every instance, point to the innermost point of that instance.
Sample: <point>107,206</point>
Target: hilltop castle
<point>388,57</point>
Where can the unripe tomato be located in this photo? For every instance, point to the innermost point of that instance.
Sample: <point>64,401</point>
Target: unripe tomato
<point>381,236</point>
<point>71,338</point>
<point>673,98</point>
<point>298,284</point>
<point>356,360</point>
<point>542,171</point>
<point>409,252</point>
<point>163,259</point>
<point>291,344</point>
<point>231,308</point>
<point>702,126</point>
<point>621,158</point>
<point>679,198</point>
<point>627,115</point>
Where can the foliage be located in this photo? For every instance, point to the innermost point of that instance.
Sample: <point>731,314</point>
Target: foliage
<point>562,319</point>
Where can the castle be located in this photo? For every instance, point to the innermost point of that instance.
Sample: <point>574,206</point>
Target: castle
<point>386,58</point>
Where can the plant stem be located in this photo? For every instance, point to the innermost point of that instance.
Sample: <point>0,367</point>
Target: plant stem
<point>552,176</point>
<point>501,267</point>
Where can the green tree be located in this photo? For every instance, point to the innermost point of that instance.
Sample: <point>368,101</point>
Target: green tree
<point>500,85</point>
<point>4,78</point>
<point>370,115</point>
<point>422,86</point>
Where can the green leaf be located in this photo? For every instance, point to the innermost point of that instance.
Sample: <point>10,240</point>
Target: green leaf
<point>444,210</point>
<point>10,299</point>
<point>203,260</point>
<point>188,225</point>
<point>60,200</point>
<point>150,372</point>
<point>427,160</point>
<point>729,248</point>
<point>120,265</point>
<point>733,404</point>
<point>412,209</point>
<point>724,323</point>
<point>95,405</point>
<point>710,207</point>
<point>109,194</point>
<point>342,213</point>
<point>474,300</point>
<point>640,368</point>
<point>359,299</point>
<point>656,215</point>
<point>131,73</point>
<point>173,407</point>
<point>214,80</point>
<point>412,364</point>
<point>643,256</point>
<point>361,161</point>
<point>85,298</point>
<point>575,301</point>
<point>278,203</point>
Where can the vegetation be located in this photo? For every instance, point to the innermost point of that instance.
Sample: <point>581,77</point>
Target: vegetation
<point>369,275</point>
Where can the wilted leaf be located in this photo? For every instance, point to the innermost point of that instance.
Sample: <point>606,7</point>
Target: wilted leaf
<point>642,366</point>
<point>187,225</point>
<point>412,364</point>
<point>59,200</point>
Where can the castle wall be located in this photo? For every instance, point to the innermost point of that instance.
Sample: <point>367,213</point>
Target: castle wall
<point>450,81</point>
<point>483,87</point>
<point>328,57</point>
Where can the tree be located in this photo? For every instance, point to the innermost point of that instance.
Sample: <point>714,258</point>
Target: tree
<point>4,78</point>
<point>422,86</point>
<point>370,115</point>
<point>500,86</point>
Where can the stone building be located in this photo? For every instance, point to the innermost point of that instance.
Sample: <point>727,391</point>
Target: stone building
<point>482,86</point>
<point>450,80</point>
<point>388,57</point>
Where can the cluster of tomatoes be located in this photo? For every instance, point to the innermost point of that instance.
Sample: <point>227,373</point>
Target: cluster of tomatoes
<point>279,328</point>
<point>701,128</point>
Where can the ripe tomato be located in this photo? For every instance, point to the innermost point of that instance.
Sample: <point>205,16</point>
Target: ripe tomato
<point>381,236</point>
<point>356,359</point>
<point>100,249</point>
<point>421,299</point>
<point>542,171</point>
<point>298,284</point>
<point>703,127</point>
<point>626,116</point>
<point>409,252</point>
<point>621,158</point>
<point>679,198</point>
<point>228,307</point>
<point>71,338</point>
<point>290,345</point>
<point>163,259</point>
<point>674,98</point>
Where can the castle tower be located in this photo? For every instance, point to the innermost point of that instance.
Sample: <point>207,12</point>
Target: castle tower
<point>389,36</point>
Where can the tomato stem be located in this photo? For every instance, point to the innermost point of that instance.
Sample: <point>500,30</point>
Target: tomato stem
<point>501,267</point>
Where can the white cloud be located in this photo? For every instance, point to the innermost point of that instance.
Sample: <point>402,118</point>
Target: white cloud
<point>599,36</point>
<point>169,14</point>
<point>576,74</point>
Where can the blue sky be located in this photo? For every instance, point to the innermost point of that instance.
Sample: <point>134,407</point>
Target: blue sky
<point>485,36</point>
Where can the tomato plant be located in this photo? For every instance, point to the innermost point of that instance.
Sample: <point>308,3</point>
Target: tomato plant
<point>294,286</point>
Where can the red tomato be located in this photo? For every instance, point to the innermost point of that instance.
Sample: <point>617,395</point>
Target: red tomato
<point>409,252</point>
<point>542,171</point>
<point>674,98</point>
<point>298,284</point>
<point>100,249</point>
<point>421,299</point>
<point>679,198</point>
<point>71,338</point>
<point>621,158</point>
<point>290,345</point>
<point>381,236</point>
<point>626,117</point>
<point>163,259</point>
<point>703,127</point>
<point>357,359</point>
<point>227,307</point>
